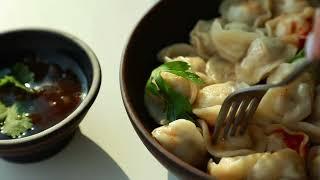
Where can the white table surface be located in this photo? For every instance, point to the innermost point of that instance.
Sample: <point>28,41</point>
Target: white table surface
<point>107,147</point>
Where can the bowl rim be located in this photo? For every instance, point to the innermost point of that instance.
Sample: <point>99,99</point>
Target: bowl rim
<point>133,115</point>
<point>92,92</point>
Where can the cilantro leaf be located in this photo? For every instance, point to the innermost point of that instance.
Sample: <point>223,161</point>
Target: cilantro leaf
<point>12,80</point>
<point>15,124</point>
<point>177,105</point>
<point>22,73</point>
<point>3,112</point>
<point>299,55</point>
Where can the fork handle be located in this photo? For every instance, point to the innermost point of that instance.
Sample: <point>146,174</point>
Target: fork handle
<point>296,73</point>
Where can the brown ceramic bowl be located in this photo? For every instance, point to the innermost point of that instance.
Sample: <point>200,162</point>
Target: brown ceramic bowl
<point>50,43</point>
<point>168,22</point>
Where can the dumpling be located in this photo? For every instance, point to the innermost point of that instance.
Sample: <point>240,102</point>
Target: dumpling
<point>263,56</point>
<point>280,7</point>
<point>280,137</point>
<point>197,64</point>
<point>210,99</point>
<point>251,12</point>
<point>176,50</point>
<point>254,140</point>
<point>181,85</point>
<point>313,163</point>
<point>220,70</point>
<point>288,104</point>
<point>230,44</point>
<point>292,28</point>
<point>200,39</point>
<point>315,116</point>
<point>183,139</point>
<point>283,164</point>
<point>310,129</point>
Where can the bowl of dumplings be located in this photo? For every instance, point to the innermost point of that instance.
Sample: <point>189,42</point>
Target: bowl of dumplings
<point>185,57</point>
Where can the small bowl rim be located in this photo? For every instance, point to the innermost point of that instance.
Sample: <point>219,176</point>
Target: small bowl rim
<point>133,115</point>
<point>93,89</point>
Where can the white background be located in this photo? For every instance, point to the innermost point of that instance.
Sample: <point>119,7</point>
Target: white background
<point>107,147</point>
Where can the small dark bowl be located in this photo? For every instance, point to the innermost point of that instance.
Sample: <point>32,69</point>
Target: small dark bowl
<point>50,141</point>
<point>166,23</point>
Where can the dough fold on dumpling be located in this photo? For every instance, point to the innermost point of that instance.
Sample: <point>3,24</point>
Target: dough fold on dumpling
<point>183,139</point>
<point>176,50</point>
<point>254,140</point>
<point>288,104</point>
<point>283,164</point>
<point>313,163</point>
<point>292,28</point>
<point>210,99</point>
<point>264,55</point>
<point>230,44</point>
<point>220,70</point>
<point>251,12</point>
<point>280,7</point>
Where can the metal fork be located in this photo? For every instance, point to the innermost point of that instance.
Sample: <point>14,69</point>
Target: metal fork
<point>239,107</point>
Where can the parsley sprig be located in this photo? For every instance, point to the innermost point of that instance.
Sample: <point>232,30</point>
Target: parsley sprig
<point>177,105</point>
<point>299,55</point>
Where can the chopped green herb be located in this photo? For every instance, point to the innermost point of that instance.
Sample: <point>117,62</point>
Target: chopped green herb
<point>12,80</point>
<point>15,124</point>
<point>299,55</point>
<point>177,105</point>
<point>22,73</point>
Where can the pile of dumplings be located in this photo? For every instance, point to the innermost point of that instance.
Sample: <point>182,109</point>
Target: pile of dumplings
<point>251,43</point>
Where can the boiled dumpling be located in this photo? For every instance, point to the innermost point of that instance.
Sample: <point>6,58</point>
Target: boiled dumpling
<point>288,104</point>
<point>254,140</point>
<point>200,39</point>
<point>197,64</point>
<point>313,163</point>
<point>292,28</point>
<point>176,50</point>
<point>220,70</point>
<point>181,85</point>
<point>264,55</point>
<point>280,7</point>
<point>231,44</point>
<point>210,99</point>
<point>283,164</point>
<point>182,138</point>
<point>315,116</point>
<point>251,12</point>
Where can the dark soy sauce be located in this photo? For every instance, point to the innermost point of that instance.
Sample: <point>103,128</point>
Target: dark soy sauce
<point>60,90</point>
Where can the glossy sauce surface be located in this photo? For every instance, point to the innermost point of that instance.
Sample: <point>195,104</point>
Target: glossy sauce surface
<point>59,92</point>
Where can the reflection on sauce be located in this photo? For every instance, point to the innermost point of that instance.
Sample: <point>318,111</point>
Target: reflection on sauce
<point>59,93</point>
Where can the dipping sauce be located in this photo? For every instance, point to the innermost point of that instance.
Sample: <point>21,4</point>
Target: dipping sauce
<point>59,91</point>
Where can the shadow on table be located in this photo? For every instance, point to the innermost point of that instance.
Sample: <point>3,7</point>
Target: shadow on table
<point>81,159</point>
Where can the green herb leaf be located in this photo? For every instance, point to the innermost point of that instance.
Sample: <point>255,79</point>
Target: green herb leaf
<point>177,105</point>
<point>12,80</point>
<point>22,73</point>
<point>3,112</point>
<point>299,55</point>
<point>15,124</point>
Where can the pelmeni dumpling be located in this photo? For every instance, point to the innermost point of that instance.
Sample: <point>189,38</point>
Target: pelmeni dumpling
<point>230,44</point>
<point>280,7</point>
<point>264,55</point>
<point>210,99</point>
<point>254,140</point>
<point>313,163</point>
<point>315,116</point>
<point>283,164</point>
<point>176,50</point>
<point>292,28</point>
<point>280,137</point>
<point>288,104</point>
<point>197,64</point>
<point>200,39</point>
<point>220,70</point>
<point>251,12</point>
<point>181,85</point>
<point>182,138</point>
